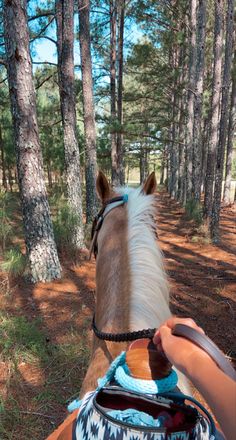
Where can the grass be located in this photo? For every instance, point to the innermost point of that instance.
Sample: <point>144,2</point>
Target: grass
<point>14,262</point>
<point>193,211</point>
<point>30,408</point>
<point>20,340</point>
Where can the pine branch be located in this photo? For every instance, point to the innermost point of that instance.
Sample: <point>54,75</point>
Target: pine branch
<point>45,80</point>
<point>45,62</point>
<point>44,14</point>
<point>43,36</point>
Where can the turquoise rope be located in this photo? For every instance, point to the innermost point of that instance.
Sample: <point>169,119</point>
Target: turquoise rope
<point>119,371</point>
<point>145,386</point>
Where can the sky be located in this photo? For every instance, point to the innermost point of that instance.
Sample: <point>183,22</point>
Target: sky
<point>45,50</point>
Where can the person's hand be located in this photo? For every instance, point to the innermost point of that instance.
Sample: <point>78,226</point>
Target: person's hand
<point>180,352</point>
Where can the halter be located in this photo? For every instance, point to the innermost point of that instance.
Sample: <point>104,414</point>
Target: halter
<point>98,220</point>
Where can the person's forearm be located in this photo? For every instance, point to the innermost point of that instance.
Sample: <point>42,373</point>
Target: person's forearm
<point>218,390</point>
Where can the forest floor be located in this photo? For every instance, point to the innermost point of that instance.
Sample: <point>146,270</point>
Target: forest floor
<point>45,328</point>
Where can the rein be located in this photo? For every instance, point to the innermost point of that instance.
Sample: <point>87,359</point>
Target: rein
<point>123,337</point>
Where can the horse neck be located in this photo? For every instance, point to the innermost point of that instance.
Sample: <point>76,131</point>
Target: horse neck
<point>113,275</point>
<point>132,289</point>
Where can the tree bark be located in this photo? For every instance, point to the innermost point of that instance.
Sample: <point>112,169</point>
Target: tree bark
<point>65,47</point>
<point>89,118</point>
<point>215,106</point>
<point>191,89</point>
<point>197,132</point>
<point>4,178</point>
<point>231,129</point>
<point>120,152</point>
<point>143,163</point>
<point>223,122</point>
<point>173,148</point>
<point>113,31</point>
<point>39,238</point>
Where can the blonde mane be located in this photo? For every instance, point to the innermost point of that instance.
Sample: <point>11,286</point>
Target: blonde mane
<point>149,287</point>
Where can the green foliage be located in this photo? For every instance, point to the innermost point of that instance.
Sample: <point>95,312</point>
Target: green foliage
<point>64,223</point>
<point>6,228</point>
<point>20,338</point>
<point>14,262</point>
<point>193,211</point>
<point>234,168</point>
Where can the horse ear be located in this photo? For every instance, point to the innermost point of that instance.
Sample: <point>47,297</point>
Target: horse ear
<point>150,184</point>
<point>103,187</point>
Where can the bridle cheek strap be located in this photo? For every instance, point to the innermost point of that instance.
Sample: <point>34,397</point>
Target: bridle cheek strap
<point>98,221</point>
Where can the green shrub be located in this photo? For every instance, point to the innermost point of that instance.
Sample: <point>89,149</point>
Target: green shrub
<point>64,226</point>
<point>193,210</point>
<point>6,228</point>
<point>14,262</point>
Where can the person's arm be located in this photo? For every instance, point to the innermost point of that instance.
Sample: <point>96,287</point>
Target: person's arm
<point>218,390</point>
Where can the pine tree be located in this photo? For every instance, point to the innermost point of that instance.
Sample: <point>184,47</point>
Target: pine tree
<point>65,47</point>
<point>231,130</point>
<point>191,90</point>
<point>40,244</point>
<point>198,103</point>
<point>89,118</point>
<point>215,108</point>
<point>223,122</point>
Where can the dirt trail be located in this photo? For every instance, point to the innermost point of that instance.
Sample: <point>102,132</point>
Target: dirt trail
<point>203,283</point>
<point>202,276</point>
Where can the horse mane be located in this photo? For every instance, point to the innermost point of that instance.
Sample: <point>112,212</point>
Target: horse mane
<point>149,296</point>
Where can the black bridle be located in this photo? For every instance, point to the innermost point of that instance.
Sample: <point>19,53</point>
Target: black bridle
<point>97,224</point>
<point>98,220</point>
<point>123,337</point>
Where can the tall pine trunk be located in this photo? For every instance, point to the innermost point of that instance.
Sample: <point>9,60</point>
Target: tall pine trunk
<point>89,118</point>
<point>65,47</point>
<point>223,122</point>
<point>231,129</point>
<point>190,99</point>
<point>4,177</point>
<point>113,32</point>
<point>197,132</point>
<point>215,106</point>
<point>143,162</point>
<point>39,238</point>
<point>120,152</point>
<point>174,145</point>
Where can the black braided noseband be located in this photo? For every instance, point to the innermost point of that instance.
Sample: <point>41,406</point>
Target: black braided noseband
<point>123,337</point>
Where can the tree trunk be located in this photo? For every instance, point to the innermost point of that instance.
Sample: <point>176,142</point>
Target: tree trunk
<point>10,180</point>
<point>163,165</point>
<point>114,156</point>
<point>89,118</point>
<point>143,163</point>
<point>197,132</point>
<point>65,47</point>
<point>215,106</point>
<point>40,244</point>
<point>231,129</point>
<point>120,152</point>
<point>174,150</point>
<point>4,178</point>
<point>191,89</point>
<point>223,122</point>
<point>205,144</point>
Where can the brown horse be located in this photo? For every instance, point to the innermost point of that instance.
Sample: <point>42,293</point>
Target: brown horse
<point>131,286</point>
<point>132,291</point>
